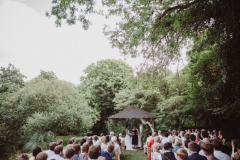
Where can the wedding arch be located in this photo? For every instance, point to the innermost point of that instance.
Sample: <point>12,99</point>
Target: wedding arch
<point>134,112</point>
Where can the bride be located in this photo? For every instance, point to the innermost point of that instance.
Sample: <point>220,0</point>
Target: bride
<point>128,140</point>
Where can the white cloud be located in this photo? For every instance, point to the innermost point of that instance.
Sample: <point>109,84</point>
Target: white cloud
<point>32,43</point>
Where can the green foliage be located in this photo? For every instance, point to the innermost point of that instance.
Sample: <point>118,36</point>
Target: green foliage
<point>101,83</point>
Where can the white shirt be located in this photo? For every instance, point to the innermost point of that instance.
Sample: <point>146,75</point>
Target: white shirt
<point>222,156</point>
<point>140,128</point>
<point>160,136</point>
<point>50,153</point>
<point>202,153</point>
<point>117,147</point>
<point>97,143</point>
<point>56,157</point>
<point>103,146</point>
<point>32,158</point>
<point>183,140</point>
<point>165,140</point>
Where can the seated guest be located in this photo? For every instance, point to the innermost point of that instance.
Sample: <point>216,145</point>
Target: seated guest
<point>217,150</point>
<point>107,154</point>
<point>58,151</point>
<point>35,152</point>
<point>193,149</point>
<point>77,150</point>
<point>182,154</point>
<point>84,153</point>
<point>208,150</point>
<point>168,154</point>
<point>156,151</point>
<point>94,152</point>
<point>23,156</point>
<point>69,154</point>
<point>178,144</point>
<point>236,155</point>
<point>50,152</point>
<point>42,156</point>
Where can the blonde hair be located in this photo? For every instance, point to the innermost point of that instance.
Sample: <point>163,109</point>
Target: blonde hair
<point>156,147</point>
<point>182,153</point>
<point>42,156</point>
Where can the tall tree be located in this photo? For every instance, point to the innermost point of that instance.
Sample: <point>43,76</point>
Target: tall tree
<point>102,81</point>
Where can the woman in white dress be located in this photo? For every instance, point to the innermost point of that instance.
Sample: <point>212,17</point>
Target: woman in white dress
<point>128,140</point>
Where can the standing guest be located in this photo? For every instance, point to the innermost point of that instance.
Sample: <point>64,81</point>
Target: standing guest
<point>50,152</point>
<point>116,147</point>
<point>141,134</point>
<point>107,154</point>
<point>104,143</point>
<point>77,150</point>
<point>58,151</point>
<point>94,152</point>
<point>181,134</point>
<point>214,133</point>
<point>193,149</point>
<point>208,150</point>
<point>217,145</point>
<point>35,152</point>
<point>182,154</point>
<point>107,139</point>
<point>42,156</point>
<point>178,144</point>
<point>101,134</point>
<point>165,138</point>
<point>168,154</point>
<point>156,151</point>
<point>134,137</point>
<point>83,140</point>
<point>23,156</point>
<point>145,147</point>
<point>220,135</point>
<point>84,153</point>
<point>151,142</point>
<point>160,135</point>
<point>96,141</point>
<point>69,154</point>
<point>198,138</point>
<point>236,155</point>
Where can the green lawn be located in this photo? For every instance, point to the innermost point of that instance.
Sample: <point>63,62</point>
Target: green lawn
<point>129,155</point>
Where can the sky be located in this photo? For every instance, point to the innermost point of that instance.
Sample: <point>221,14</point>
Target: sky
<point>31,41</point>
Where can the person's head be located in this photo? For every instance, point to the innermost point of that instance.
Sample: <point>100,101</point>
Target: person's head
<point>140,123</point>
<point>95,137</point>
<point>110,147</point>
<point>42,156</point>
<point>182,154</point>
<point>166,134</point>
<point>156,147</point>
<point>159,133</point>
<point>204,134</point>
<point>149,134</point>
<point>90,143</point>
<point>178,141</point>
<point>120,135</point>
<point>220,132</point>
<point>83,140</point>
<point>60,142</point>
<point>94,152</point>
<point>192,137</point>
<point>193,147</point>
<point>77,149</point>
<point>168,146</point>
<point>134,127</point>
<point>73,139</point>
<point>114,139</point>
<point>235,142</point>
<point>186,142</point>
<point>58,149</point>
<point>127,126</point>
<point>181,134</point>
<point>101,134</point>
<point>103,139</point>
<point>207,148</point>
<point>52,145</point>
<point>107,139</point>
<point>206,140</point>
<point>23,156</point>
<point>69,153</point>
<point>154,134</point>
<point>36,150</point>
<point>217,145</point>
<point>85,148</point>
<point>111,133</point>
<point>156,139</point>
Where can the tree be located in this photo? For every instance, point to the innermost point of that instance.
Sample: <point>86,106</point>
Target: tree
<point>102,81</point>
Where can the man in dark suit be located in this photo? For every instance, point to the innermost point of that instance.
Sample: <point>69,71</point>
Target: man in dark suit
<point>107,154</point>
<point>193,149</point>
<point>168,155</point>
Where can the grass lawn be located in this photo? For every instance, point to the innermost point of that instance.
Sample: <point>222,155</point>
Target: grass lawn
<point>129,155</point>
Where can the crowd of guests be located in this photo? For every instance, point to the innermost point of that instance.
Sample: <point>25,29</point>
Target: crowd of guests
<point>190,145</point>
<point>109,147</point>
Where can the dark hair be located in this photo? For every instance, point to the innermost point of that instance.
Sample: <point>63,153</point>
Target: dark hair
<point>186,143</point>
<point>207,147</point>
<point>60,141</point>
<point>85,147</point>
<point>217,144</point>
<point>89,142</point>
<point>42,156</point>
<point>52,145</point>
<point>166,134</point>
<point>83,140</point>
<point>149,133</point>
<point>140,122</point>
<point>23,156</point>
<point>69,153</point>
<point>110,148</point>
<point>107,138</point>
<point>101,134</point>
<point>77,148</point>
<point>70,142</point>
<point>167,145</point>
<point>94,152</point>
<point>58,149</point>
<point>193,146</point>
<point>36,150</point>
<point>238,146</point>
<point>95,137</point>
<point>235,142</point>
<point>204,134</point>
<point>192,137</point>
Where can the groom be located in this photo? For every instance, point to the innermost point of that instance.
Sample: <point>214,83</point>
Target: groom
<point>141,134</point>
